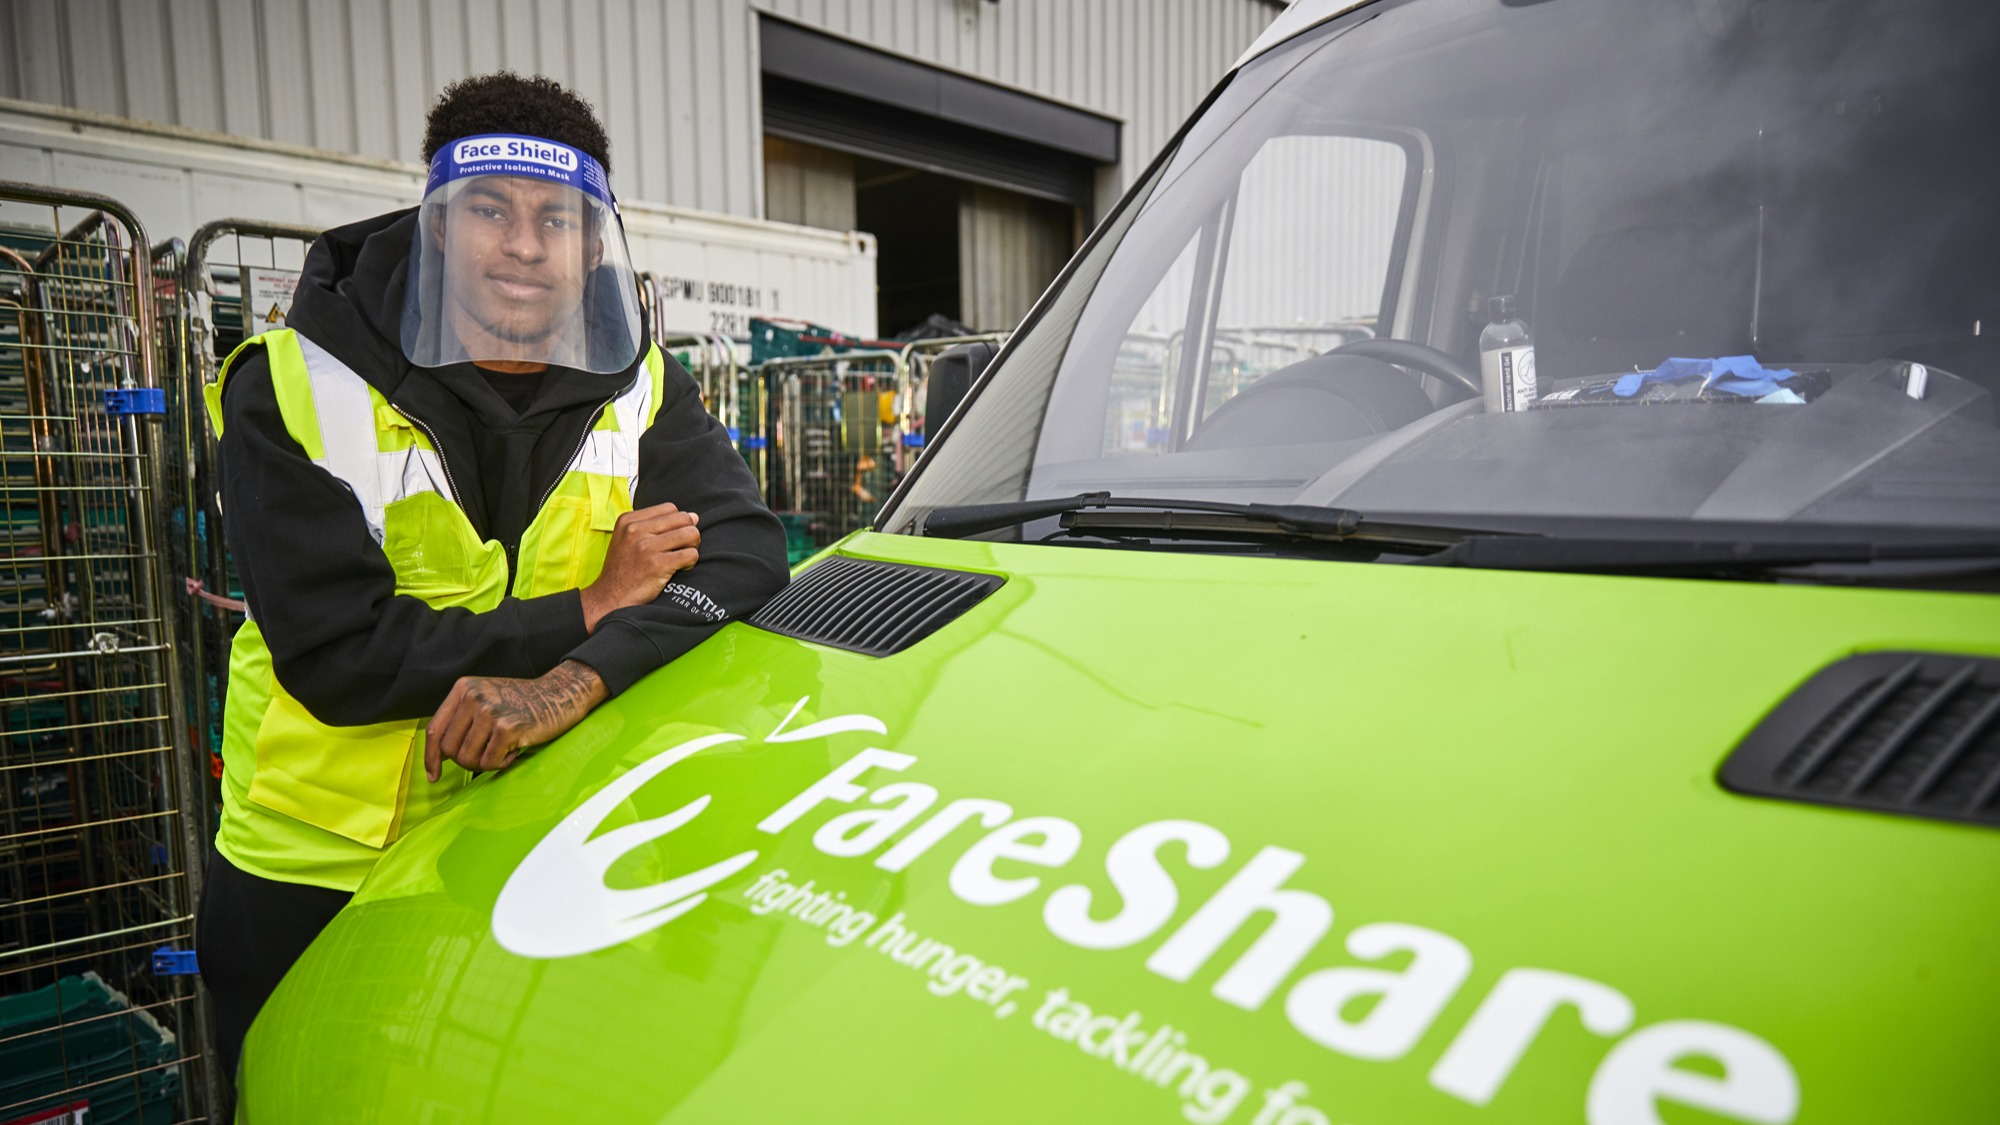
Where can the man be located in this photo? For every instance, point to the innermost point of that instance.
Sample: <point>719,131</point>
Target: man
<point>468,500</point>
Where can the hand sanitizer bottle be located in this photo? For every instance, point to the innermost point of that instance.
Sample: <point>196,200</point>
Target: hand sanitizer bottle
<point>1506,359</point>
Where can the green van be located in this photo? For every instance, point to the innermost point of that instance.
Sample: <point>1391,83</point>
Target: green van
<point>1471,600</point>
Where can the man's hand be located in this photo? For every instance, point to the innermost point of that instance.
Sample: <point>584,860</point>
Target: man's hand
<point>648,547</point>
<point>487,721</point>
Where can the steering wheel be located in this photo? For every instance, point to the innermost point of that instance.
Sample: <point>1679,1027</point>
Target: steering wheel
<point>1407,354</point>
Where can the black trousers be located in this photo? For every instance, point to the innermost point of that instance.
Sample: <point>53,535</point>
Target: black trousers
<point>247,932</point>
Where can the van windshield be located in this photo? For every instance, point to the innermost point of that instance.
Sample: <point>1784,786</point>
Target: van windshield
<point>1731,260</point>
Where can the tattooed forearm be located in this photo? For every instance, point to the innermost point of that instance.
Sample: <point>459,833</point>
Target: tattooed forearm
<point>486,721</point>
<point>557,699</point>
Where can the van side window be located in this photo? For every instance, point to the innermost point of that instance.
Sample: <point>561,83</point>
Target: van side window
<point>1294,263</point>
<point>1140,406</point>
<point>1301,279</point>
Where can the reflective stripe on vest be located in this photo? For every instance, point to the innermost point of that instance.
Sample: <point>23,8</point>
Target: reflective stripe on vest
<point>347,411</point>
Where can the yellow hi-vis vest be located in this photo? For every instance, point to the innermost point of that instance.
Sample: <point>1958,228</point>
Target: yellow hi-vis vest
<point>305,802</point>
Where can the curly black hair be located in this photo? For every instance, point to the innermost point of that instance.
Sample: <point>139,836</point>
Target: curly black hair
<point>506,102</point>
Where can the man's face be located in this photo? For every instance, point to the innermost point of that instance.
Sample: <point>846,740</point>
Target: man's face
<point>517,253</point>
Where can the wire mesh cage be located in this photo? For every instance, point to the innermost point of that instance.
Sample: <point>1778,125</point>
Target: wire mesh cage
<point>172,340</point>
<point>834,442</point>
<point>233,279</point>
<point>99,1013</point>
<point>731,389</point>
<point>752,427</point>
<point>711,359</point>
<point>727,390</point>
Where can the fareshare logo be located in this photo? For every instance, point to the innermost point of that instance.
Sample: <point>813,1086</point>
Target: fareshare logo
<point>556,904</point>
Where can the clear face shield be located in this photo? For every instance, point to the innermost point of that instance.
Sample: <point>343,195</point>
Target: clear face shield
<point>520,257</point>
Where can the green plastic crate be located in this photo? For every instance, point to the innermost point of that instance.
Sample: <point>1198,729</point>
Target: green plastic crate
<point>79,1041</point>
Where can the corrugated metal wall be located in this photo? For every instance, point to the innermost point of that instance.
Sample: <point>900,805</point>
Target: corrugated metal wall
<point>676,80</point>
<point>807,185</point>
<point>1009,247</point>
<point>1147,62</point>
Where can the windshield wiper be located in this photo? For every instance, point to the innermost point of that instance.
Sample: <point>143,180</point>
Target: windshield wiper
<point>961,520</point>
<point>1105,513</point>
<point>1687,556</point>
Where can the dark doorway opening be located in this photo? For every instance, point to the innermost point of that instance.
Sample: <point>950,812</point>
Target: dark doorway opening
<point>967,251</point>
<point>914,217</point>
<point>975,192</point>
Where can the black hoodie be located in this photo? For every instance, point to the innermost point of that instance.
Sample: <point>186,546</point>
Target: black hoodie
<point>342,642</point>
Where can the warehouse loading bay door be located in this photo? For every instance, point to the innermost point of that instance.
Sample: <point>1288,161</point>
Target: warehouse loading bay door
<point>976,194</point>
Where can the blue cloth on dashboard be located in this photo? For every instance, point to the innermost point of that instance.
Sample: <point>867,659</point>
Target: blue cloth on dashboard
<point>1730,374</point>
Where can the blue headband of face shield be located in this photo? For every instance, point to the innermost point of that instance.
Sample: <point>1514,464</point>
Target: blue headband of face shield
<point>508,154</point>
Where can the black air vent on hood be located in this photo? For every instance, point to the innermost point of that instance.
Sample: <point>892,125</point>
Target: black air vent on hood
<point>874,608</point>
<point>1904,732</point>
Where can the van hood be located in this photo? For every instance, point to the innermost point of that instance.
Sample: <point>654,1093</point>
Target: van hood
<point>1181,838</point>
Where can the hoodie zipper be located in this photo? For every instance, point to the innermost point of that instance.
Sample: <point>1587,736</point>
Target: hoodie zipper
<point>595,416</point>
<point>449,481</point>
